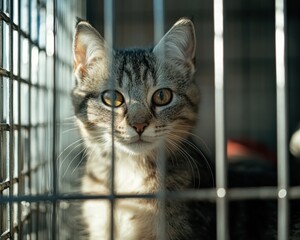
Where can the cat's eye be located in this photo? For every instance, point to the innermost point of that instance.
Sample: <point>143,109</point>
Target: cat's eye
<point>112,98</point>
<point>162,97</point>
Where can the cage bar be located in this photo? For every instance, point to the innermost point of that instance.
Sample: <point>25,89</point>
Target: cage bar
<point>20,157</point>
<point>158,18</point>
<point>29,165</point>
<point>281,111</point>
<point>159,31</point>
<point>11,119</point>
<point>204,195</point>
<point>109,36</point>
<point>54,130</point>
<point>20,171</point>
<point>1,123</point>
<point>221,176</point>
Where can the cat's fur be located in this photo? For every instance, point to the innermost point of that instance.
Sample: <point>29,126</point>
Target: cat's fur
<point>140,129</point>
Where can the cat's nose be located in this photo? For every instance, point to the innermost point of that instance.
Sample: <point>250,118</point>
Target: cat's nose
<point>139,127</point>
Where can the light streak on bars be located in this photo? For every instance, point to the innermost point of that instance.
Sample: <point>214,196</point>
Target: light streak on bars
<point>109,37</point>
<point>221,181</point>
<point>158,19</point>
<point>282,152</point>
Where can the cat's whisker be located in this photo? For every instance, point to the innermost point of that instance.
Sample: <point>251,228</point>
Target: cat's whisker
<point>70,163</point>
<point>66,157</point>
<point>70,145</point>
<point>188,157</point>
<point>172,153</point>
<point>82,158</point>
<point>191,144</point>
<point>69,118</point>
<point>194,135</point>
<point>64,123</point>
<point>98,138</point>
<point>70,130</point>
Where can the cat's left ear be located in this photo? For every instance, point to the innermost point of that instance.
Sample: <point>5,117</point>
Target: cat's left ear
<point>179,43</point>
<point>89,50</point>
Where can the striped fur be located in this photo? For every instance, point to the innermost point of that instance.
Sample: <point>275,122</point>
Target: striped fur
<point>137,74</point>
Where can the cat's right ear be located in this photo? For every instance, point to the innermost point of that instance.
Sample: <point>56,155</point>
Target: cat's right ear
<point>179,43</point>
<point>89,49</point>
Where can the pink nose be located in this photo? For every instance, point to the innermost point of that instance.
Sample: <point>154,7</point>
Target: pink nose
<point>139,127</point>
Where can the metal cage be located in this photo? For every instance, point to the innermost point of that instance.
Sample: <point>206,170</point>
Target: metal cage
<point>36,77</point>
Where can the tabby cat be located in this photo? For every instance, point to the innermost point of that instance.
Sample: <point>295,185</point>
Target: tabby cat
<point>154,98</point>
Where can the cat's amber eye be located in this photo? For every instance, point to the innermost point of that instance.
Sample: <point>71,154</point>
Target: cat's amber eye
<point>112,98</point>
<point>162,97</point>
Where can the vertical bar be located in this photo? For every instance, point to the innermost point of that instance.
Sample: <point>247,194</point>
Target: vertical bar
<point>281,110</point>
<point>109,22</point>
<point>11,120</point>
<point>109,36</point>
<point>30,221</point>
<point>158,18</point>
<point>1,62</point>
<point>54,156</point>
<point>1,120</point>
<point>37,132</point>
<point>158,15</point>
<point>20,157</point>
<point>221,167</point>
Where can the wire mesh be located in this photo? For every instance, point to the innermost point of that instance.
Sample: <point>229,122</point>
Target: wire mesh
<point>27,93</point>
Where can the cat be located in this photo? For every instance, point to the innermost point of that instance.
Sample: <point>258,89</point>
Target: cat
<point>154,97</point>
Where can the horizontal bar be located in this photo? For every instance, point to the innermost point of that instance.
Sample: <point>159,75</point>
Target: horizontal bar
<point>6,73</point>
<point>4,127</point>
<point>34,169</point>
<point>7,127</point>
<point>6,184</point>
<point>234,194</point>
<point>5,235</point>
<point>15,27</point>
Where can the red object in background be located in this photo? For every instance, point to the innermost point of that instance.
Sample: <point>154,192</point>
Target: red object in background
<point>239,149</point>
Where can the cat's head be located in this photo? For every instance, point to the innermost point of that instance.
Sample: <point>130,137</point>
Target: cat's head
<point>151,92</point>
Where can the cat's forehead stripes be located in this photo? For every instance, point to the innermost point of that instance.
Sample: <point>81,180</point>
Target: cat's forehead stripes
<point>135,67</point>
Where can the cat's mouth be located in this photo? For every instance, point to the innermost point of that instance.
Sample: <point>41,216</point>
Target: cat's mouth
<point>137,145</point>
<point>139,141</point>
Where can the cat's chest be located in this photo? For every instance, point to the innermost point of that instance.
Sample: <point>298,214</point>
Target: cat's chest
<point>134,176</point>
<point>131,174</point>
<point>130,177</point>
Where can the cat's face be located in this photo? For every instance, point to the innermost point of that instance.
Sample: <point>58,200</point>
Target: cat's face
<point>149,94</point>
